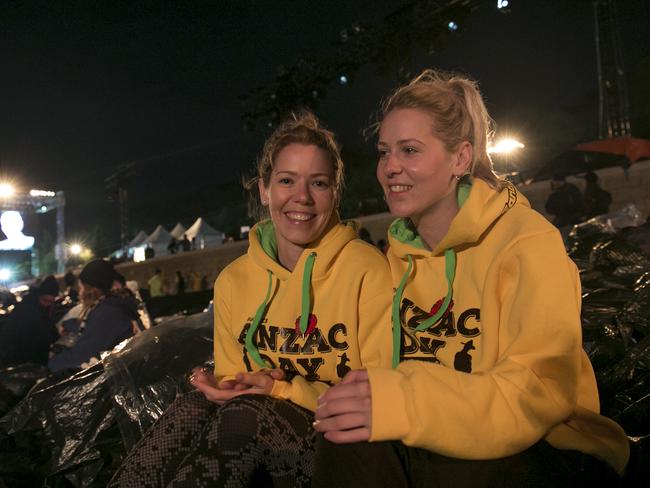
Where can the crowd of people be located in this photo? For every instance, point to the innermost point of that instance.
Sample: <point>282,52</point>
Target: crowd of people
<point>453,358</point>
<point>182,245</point>
<point>160,286</point>
<point>70,331</point>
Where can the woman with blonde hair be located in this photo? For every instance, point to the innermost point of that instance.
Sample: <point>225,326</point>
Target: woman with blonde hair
<point>490,385</point>
<point>306,304</point>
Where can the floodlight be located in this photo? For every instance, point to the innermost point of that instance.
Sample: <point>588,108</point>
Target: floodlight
<point>505,146</point>
<point>6,190</point>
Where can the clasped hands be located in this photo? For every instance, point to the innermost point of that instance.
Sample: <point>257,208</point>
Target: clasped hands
<point>258,382</point>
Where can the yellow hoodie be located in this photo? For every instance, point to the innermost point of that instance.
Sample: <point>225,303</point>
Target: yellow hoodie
<point>348,298</point>
<point>503,365</point>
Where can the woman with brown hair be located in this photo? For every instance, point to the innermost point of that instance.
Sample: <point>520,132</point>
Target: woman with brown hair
<point>306,304</point>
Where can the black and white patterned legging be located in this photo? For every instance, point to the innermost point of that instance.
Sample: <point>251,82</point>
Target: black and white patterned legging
<point>251,440</point>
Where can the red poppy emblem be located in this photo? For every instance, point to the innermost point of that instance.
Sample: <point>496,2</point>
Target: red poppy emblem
<point>310,326</point>
<point>436,307</point>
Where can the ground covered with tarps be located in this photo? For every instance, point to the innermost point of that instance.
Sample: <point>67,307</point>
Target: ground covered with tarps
<point>74,430</point>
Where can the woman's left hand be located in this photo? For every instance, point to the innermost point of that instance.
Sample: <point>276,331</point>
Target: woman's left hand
<point>259,382</point>
<point>344,412</point>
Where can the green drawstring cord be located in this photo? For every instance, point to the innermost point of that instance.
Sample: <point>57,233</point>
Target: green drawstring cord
<point>305,305</point>
<point>250,346</point>
<point>450,273</point>
<point>397,324</point>
<point>305,310</point>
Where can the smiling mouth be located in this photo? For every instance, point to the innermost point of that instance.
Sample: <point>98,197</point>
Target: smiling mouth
<point>299,216</point>
<point>399,188</point>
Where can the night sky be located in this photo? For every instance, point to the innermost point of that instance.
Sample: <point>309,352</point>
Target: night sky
<point>84,89</point>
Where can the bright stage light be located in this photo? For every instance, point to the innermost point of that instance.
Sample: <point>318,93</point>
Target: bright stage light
<point>6,190</point>
<point>505,146</point>
<point>5,274</point>
<point>75,249</point>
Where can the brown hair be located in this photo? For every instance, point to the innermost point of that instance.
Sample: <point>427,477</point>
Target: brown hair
<point>299,128</point>
<point>458,113</point>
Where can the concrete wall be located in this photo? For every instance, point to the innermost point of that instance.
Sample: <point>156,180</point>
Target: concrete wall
<point>208,262</point>
<point>631,186</point>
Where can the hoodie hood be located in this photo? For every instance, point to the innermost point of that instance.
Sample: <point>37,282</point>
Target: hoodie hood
<point>263,248</point>
<point>480,207</point>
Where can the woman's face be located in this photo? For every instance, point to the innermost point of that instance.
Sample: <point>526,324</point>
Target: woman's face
<point>415,170</point>
<point>300,194</point>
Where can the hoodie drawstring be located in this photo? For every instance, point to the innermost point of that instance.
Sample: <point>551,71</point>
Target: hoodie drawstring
<point>250,346</point>
<point>450,274</point>
<point>305,310</point>
<point>397,324</point>
<point>305,305</point>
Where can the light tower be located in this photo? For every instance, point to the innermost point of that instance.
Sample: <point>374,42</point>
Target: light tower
<point>613,102</point>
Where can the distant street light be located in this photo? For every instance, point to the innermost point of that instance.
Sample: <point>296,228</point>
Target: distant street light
<point>505,146</point>
<point>75,249</point>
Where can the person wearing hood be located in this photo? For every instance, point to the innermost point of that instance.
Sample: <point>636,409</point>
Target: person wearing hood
<point>490,385</point>
<point>29,329</point>
<point>107,317</point>
<point>306,304</point>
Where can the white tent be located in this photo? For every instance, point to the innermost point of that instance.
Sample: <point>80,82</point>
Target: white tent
<point>137,240</point>
<point>178,231</point>
<point>205,235</point>
<point>159,239</point>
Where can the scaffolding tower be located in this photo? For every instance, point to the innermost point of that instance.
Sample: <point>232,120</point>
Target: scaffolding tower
<point>613,101</point>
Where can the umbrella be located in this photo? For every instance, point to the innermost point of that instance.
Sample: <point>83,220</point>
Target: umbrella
<point>594,155</point>
<point>575,162</point>
<point>630,147</point>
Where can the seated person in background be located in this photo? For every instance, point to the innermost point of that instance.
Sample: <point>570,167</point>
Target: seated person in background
<point>29,329</point>
<point>107,318</point>
<point>596,199</point>
<point>564,202</point>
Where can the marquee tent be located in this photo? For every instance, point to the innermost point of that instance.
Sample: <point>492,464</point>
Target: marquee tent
<point>178,231</point>
<point>205,235</point>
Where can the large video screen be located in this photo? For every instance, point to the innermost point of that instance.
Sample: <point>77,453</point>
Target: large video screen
<point>15,266</point>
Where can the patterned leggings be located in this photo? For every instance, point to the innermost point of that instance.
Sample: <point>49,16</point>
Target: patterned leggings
<point>240,443</point>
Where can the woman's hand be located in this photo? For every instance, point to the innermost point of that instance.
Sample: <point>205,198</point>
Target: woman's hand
<point>259,382</point>
<point>344,412</point>
<point>207,384</point>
